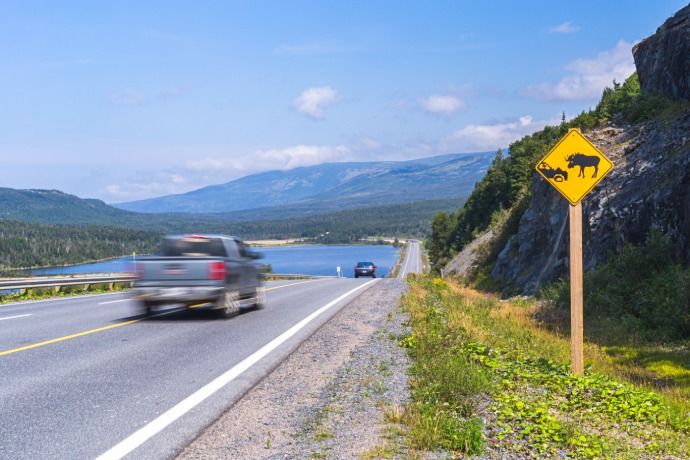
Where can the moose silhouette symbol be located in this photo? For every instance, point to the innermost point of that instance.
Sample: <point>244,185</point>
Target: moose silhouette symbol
<point>583,161</point>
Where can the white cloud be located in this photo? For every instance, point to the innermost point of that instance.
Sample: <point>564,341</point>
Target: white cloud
<point>588,77</point>
<point>264,160</point>
<point>443,105</point>
<point>565,28</point>
<point>313,101</point>
<point>488,137</point>
<point>143,186</point>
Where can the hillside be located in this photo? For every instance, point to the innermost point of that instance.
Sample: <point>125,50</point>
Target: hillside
<point>55,207</point>
<point>28,241</point>
<point>331,187</point>
<point>636,221</point>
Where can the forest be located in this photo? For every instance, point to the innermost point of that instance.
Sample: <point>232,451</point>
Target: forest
<point>24,245</point>
<point>31,244</point>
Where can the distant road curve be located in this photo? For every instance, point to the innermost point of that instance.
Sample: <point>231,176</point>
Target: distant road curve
<point>413,260</point>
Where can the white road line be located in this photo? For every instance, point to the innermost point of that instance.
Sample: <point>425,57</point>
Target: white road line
<point>113,301</point>
<point>159,424</point>
<point>13,317</point>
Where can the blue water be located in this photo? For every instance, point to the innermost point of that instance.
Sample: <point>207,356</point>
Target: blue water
<point>324,260</point>
<point>305,260</point>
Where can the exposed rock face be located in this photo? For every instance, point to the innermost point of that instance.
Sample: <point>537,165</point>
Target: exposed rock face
<point>663,60</point>
<point>648,188</point>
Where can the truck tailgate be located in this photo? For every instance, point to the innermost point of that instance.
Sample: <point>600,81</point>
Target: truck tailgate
<point>177,271</point>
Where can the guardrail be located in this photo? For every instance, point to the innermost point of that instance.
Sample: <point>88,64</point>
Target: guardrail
<point>20,284</point>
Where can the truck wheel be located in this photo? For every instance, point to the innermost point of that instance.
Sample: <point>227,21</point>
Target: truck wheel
<point>228,304</point>
<point>260,299</point>
<point>146,308</point>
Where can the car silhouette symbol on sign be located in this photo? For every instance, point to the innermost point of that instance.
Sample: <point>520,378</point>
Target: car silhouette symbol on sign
<point>558,175</point>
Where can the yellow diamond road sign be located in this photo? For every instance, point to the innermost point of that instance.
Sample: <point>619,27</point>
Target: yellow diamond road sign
<point>574,166</point>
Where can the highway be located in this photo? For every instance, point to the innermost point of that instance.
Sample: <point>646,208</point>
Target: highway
<point>90,377</point>
<point>413,260</point>
<point>84,377</point>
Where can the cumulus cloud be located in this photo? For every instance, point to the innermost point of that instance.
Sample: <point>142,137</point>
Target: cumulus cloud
<point>565,28</point>
<point>443,105</point>
<point>313,101</point>
<point>145,185</point>
<point>587,78</point>
<point>489,137</point>
<point>263,160</point>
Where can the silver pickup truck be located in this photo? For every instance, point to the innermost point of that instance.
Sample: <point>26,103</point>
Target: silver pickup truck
<point>214,270</point>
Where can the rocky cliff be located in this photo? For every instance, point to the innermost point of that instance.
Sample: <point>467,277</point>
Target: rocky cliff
<point>649,187</point>
<point>663,60</point>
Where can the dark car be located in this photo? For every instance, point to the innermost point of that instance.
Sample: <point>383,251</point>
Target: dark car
<point>365,269</point>
<point>558,175</point>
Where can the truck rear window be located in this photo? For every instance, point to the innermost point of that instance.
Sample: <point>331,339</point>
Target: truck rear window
<point>193,247</point>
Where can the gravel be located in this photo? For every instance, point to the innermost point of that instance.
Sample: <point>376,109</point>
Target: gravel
<point>327,399</point>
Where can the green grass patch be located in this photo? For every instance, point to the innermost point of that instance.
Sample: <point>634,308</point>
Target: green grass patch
<point>487,375</point>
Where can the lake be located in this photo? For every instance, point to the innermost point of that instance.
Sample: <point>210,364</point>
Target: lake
<point>305,260</point>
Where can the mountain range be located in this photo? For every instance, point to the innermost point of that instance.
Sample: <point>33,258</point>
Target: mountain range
<point>331,186</point>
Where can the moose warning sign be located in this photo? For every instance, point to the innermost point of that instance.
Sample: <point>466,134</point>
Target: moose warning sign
<point>574,166</point>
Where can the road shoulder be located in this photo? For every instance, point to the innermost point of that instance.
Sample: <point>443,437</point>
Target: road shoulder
<point>326,399</point>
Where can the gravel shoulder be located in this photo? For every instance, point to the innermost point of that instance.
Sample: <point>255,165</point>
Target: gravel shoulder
<point>327,399</point>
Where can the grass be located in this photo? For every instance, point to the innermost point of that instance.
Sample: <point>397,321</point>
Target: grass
<point>65,291</point>
<point>488,376</point>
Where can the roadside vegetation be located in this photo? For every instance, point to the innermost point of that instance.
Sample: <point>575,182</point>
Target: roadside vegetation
<point>513,355</point>
<point>489,377</point>
<point>63,291</point>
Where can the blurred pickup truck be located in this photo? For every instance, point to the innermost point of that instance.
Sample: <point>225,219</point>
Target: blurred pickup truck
<point>215,270</point>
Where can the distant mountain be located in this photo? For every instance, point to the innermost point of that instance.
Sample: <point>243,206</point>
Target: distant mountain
<point>332,186</point>
<point>53,206</point>
<point>45,218</point>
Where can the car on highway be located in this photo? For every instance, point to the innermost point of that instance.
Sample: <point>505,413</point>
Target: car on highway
<point>365,269</point>
<point>217,270</point>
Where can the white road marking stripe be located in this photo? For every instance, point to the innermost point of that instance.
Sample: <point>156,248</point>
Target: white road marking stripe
<point>13,317</point>
<point>113,301</point>
<point>159,424</point>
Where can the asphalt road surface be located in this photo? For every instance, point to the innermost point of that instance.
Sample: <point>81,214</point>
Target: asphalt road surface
<point>413,260</point>
<point>88,377</point>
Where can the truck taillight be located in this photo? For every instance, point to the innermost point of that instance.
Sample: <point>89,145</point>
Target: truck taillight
<point>216,271</point>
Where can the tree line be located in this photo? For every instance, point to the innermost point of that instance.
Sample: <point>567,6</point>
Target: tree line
<point>27,244</point>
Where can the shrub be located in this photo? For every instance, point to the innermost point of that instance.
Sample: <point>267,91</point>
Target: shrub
<point>640,294</point>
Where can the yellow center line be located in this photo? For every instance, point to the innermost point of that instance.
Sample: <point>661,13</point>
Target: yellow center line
<point>113,326</point>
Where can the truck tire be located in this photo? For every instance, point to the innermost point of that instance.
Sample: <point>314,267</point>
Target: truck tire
<point>260,299</point>
<point>228,304</point>
<point>146,307</point>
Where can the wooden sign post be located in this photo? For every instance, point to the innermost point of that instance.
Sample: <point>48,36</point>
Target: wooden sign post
<point>576,292</point>
<point>557,167</point>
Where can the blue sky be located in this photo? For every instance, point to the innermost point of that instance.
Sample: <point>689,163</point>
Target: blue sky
<point>124,100</point>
